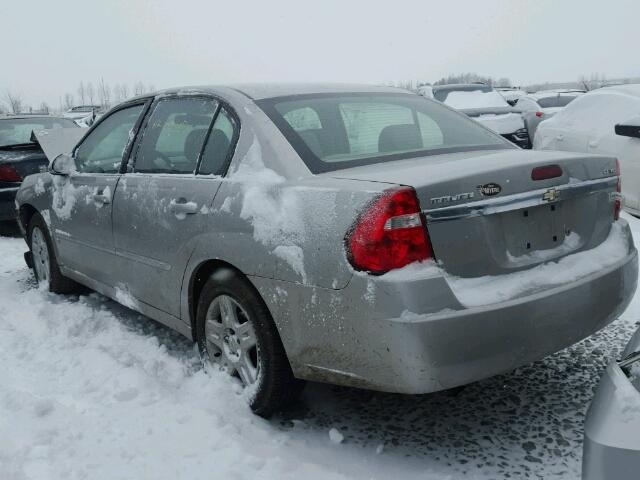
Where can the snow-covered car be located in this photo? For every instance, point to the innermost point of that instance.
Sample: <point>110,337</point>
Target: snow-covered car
<point>603,121</point>
<point>612,426</point>
<point>540,106</point>
<point>21,155</point>
<point>485,105</point>
<point>356,235</point>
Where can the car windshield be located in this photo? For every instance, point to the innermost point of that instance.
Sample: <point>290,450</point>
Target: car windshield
<point>14,131</point>
<point>467,99</point>
<point>332,132</point>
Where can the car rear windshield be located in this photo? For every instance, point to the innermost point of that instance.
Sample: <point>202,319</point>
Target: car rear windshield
<point>336,131</point>
<point>15,131</point>
<point>556,101</point>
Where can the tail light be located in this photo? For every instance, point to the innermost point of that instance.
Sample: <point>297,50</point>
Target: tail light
<point>617,204</point>
<point>390,234</point>
<point>9,174</point>
<point>539,114</point>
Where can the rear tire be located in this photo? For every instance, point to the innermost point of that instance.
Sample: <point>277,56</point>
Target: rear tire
<point>45,263</point>
<point>230,316</point>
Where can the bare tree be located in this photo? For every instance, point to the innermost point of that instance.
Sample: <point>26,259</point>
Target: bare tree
<point>138,88</point>
<point>90,93</point>
<point>13,101</point>
<point>117,93</point>
<point>82,93</point>
<point>104,92</point>
<point>68,101</point>
<point>44,108</point>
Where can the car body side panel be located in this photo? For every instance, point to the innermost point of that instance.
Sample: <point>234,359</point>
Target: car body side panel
<point>153,242</point>
<point>263,231</point>
<point>612,430</point>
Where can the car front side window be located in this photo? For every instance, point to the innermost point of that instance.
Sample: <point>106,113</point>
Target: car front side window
<point>174,135</point>
<point>102,150</point>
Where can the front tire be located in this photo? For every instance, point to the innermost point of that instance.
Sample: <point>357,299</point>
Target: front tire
<point>235,331</point>
<point>45,263</point>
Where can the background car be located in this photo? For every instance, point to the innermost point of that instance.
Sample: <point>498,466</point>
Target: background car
<point>588,125</point>
<point>611,433</point>
<point>84,115</point>
<point>20,156</point>
<point>485,105</point>
<point>539,106</point>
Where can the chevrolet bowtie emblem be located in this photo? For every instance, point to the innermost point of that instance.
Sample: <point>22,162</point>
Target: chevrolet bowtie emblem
<point>551,195</point>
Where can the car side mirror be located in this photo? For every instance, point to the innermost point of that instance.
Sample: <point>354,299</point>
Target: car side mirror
<point>63,164</point>
<point>630,128</point>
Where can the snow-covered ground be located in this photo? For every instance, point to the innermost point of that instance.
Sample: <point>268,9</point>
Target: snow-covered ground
<point>90,389</point>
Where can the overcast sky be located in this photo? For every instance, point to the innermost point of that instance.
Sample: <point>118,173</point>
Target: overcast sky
<point>48,47</point>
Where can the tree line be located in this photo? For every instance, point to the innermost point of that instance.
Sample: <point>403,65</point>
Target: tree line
<point>100,94</point>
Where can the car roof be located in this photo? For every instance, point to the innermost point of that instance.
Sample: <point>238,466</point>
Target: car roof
<point>260,91</point>
<point>632,89</point>
<point>19,117</point>
<point>463,87</point>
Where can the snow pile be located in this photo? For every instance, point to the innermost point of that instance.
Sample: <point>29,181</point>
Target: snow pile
<point>274,213</point>
<point>475,292</point>
<point>570,243</point>
<point>92,390</point>
<point>463,100</point>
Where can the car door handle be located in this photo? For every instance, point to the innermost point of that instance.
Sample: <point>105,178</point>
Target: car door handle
<point>101,198</point>
<point>182,206</point>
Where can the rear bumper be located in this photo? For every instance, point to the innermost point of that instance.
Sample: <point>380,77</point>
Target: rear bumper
<point>341,337</point>
<point>611,438</point>
<point>7,203</point>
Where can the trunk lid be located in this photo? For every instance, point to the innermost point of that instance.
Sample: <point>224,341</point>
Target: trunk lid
<point>486,216</point>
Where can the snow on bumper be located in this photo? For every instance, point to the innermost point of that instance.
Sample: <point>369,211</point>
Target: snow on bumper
<point>365,335</point>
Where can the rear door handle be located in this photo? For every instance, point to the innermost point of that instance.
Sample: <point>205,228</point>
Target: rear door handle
<point>182,206</point>
<point>101,198</point>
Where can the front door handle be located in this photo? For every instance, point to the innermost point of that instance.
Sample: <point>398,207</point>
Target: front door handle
<point>101,198</point>
<point>181,206</point>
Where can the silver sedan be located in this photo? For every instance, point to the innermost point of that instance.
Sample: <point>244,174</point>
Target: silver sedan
<point>357,235</point>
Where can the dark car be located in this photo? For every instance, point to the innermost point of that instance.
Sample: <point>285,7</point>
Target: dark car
<point>21,156</point>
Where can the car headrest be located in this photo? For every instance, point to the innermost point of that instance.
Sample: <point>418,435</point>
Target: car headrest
<point>399,137</point>
<point>193,144</point>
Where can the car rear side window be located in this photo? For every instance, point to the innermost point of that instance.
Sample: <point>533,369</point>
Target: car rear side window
<point>219,148</point>
<point>331,132</point>
<point>174,135</point>
<point>102,150</point>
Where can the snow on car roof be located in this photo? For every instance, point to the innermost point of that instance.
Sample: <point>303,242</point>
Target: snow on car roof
<point>628,89</point>
<point>475,99</point>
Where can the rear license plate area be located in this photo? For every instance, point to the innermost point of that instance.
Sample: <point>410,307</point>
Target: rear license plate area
<point>532,229</point>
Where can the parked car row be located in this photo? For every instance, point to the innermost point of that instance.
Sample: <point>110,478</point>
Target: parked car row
<point>484,104</point>
<point>510,112</point>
